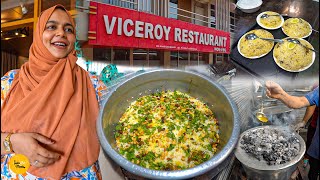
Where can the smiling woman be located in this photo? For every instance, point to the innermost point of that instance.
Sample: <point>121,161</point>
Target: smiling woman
<point>58,36</point>
<point>49,107</point>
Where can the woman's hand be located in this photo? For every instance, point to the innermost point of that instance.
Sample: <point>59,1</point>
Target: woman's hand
<point>28,145</point>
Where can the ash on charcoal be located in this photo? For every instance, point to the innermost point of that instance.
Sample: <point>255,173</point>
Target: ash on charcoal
<point>273,146</point>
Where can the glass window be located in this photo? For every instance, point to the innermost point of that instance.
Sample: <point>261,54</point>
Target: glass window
<point>102,54</point>
<point>198,58</point>
<point>179,59</point>
<point>183,61</point>
<point>174,59</point>
<point>140,57</point>
<point>101,58</point>
<point>173,11</point>
<point>200,19</point>
<point>130,4</point>
<point>193,58</point>
<point>219,57</point>
<point>212,16</point>
<point>122,3</point>
<point>154,58</point>
<point>145,5</point>
<point>121,56</point>
<point>203,58</point>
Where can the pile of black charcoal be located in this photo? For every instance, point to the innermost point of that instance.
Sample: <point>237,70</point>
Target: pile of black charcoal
<point>272,145</point>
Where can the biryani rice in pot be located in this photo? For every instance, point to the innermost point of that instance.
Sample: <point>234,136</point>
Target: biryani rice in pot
<point>167,130</point>
<point>168,124</point>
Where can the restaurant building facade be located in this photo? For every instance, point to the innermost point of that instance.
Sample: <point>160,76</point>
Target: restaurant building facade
<point>205,14</point>
<point>207,17</point>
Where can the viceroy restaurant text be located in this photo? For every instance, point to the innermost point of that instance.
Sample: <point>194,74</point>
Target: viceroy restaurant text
<point>147,30</point>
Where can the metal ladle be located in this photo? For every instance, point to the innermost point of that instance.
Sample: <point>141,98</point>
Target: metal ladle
<point>260,115</point>
<point>253,36</point>
<point>264,16</point>
<point>296,41</point>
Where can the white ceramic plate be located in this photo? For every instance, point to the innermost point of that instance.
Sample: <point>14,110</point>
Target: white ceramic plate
<point>303,36</point>
<point>299,70</point>
<point>249,6</point>
<point>265,27</point>
<point>253,57</point>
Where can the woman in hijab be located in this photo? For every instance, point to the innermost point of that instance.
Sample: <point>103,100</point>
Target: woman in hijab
<point>49,107</point>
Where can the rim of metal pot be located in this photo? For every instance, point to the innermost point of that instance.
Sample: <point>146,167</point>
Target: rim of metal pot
<point>253,163</point>
<point>179,174</point>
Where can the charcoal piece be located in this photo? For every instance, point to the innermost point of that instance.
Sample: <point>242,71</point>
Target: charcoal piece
<point>271,145</point>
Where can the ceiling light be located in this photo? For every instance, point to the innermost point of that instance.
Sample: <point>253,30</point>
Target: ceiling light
<point>24,9</point>
<point>21,32</point>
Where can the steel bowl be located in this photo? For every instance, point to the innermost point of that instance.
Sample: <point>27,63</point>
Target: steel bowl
<point>196,85</point>
<point>259,170</point>
<point>249,8</point>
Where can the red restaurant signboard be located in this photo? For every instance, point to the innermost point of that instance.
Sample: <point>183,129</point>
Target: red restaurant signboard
<point>121,27</point>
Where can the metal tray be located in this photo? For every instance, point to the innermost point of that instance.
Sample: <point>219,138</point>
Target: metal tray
<point>263,67</point>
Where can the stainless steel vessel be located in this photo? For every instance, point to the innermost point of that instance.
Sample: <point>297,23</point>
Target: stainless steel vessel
<point>196,85</point>
<point>259,170</point>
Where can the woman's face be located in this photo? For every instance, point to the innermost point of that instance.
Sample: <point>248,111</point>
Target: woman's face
<point>58,36</point>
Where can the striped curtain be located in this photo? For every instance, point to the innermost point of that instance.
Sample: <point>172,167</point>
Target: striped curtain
<point>9,61</point>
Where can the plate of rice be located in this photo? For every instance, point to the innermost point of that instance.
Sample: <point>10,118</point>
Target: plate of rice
<point>271,22</point>
<point>256,48</point>
<point>293,57</point>
<point>296,28</point>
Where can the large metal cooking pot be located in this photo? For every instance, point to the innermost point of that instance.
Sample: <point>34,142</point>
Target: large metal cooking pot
<point>259,170</point>
<point>196,85</point>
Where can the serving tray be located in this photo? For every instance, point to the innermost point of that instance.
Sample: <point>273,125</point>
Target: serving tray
<point>264,67</point>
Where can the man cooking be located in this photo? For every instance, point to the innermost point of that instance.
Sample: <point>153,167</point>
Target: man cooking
<point>274,90</point>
